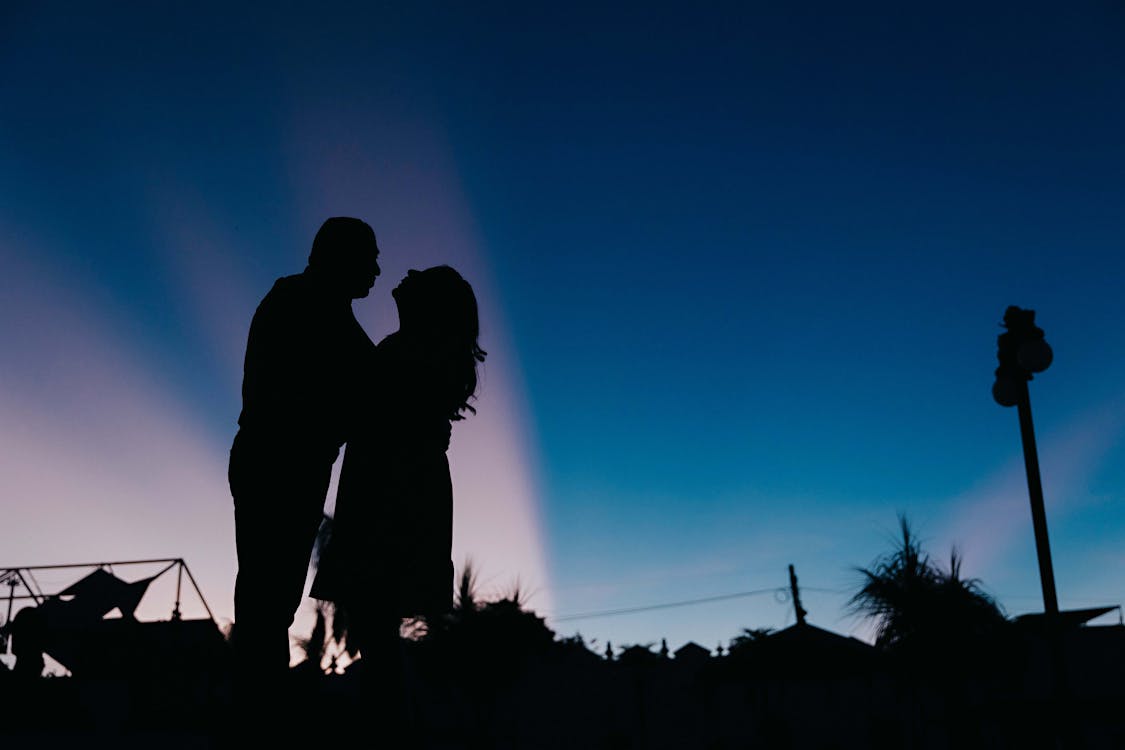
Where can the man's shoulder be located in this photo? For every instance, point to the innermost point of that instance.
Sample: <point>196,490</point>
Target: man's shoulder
<point>390,344</point>
<point>286,292</point>
<point>285,286</point>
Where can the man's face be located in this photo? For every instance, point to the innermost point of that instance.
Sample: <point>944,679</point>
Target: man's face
<point>366,271</point>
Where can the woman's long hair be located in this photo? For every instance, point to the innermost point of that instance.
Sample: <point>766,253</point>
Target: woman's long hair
<point>440,305</point>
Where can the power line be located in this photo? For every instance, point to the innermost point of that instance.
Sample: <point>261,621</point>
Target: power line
<point>779,591</point>
<point>667,605</point>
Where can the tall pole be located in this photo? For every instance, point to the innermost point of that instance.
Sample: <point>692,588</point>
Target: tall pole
<point>1038,513</point>
<point>796,593</point>
<point>1021,351</point>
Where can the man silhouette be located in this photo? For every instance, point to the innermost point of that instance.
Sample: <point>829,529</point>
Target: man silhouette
<point>306,356</point>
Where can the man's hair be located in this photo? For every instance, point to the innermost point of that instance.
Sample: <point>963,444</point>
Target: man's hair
<point>340,238</point>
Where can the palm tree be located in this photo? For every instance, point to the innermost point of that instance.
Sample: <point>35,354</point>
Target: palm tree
<point>467,600</point>
<point>916,603</point>
<point>896,589</point>
<point>977,611</point>
<point>493,627</point>
<point>315,646</point>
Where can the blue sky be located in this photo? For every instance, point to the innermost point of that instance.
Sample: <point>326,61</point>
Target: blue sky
<point>742,268</point>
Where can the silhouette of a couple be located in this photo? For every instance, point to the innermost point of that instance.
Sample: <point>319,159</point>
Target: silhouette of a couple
<point>313,382</point>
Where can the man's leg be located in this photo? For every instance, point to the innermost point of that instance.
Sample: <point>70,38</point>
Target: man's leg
<point>273,560</point>
<point>276,522</point>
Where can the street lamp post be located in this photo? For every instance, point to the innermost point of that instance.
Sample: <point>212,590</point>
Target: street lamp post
<point>1022,350</point>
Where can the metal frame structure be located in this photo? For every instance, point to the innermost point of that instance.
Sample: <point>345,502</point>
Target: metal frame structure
<point>23,577</point>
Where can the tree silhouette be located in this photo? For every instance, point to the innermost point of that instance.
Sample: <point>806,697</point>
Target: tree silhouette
<point>467,600</point>
<point>315,646</point>
<point>917,604</point>
<point>741,643</point>
<point>500,630</point>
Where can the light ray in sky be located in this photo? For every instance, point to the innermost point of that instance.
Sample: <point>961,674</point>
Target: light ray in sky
<point>346,168</point>
<point>991,523</point>
<point>101,461</point>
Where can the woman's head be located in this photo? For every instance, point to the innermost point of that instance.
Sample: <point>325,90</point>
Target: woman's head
<point>438,306</point>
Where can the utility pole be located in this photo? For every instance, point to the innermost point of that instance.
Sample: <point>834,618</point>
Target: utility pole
<point>796,594</point>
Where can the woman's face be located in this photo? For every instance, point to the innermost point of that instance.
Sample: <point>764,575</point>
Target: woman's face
<point>407,282</point>
<point>406,296</point>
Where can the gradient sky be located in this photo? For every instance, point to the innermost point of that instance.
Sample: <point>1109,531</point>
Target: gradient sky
<point>741,269</point>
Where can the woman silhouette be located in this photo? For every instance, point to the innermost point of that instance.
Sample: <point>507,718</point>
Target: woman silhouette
<point>388,556</point>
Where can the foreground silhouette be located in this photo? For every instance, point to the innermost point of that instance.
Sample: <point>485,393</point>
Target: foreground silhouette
<point>130,676</point>
<point>491,674</point>
<point>306,358</point>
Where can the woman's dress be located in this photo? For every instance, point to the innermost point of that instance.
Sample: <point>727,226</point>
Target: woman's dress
<point>392,531</point>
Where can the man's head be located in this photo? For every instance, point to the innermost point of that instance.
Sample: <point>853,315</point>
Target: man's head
<point>344,251</point>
